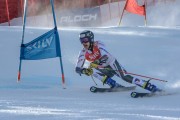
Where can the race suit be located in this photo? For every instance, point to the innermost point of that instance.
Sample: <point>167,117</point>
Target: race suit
<point>109,66</point>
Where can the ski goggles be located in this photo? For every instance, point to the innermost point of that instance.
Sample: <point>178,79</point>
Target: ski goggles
<point>84,40</point>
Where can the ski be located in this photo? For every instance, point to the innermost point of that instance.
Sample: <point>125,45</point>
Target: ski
<point>117,89</point>
<point>159,93</point>
<point>139,94</point>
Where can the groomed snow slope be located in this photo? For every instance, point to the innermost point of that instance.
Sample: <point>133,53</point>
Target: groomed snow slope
<point>150,51</point>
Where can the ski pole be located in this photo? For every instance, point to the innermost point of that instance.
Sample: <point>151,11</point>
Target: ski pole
<point>93,80</point>
<point>92,77</point>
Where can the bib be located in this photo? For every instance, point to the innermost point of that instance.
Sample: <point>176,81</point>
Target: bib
<point>94,55</point>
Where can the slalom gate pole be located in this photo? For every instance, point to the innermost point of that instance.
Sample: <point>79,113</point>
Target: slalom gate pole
<point>145,76</point>
<point>60,58</point>
<point>145,17</point>
<point>122,14</point>
<point>24,24</point>
<point>7,11</point>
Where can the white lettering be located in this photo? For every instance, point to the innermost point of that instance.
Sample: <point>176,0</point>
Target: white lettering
<point>49,41</point>
<point>85,17</point>
<point>78,18</point>
<point>64,19</point>
<point>93,17</point>
<point>93,56</point>
<point>41,44</point>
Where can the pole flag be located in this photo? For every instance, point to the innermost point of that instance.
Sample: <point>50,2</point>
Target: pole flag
<point>43,47</point>
<point>133,7</point>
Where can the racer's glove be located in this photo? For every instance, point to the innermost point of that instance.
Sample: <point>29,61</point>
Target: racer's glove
<point>93,65</point>
<point>87,71</point>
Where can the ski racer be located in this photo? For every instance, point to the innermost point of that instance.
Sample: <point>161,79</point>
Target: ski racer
<point>105,64</point>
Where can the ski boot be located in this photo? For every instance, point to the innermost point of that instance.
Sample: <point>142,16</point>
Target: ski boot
<point>112,83</point>
<point>151,87</point>
<point>146,85</point>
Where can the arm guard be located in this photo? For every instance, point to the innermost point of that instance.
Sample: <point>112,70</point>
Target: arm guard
<point>80,62</point>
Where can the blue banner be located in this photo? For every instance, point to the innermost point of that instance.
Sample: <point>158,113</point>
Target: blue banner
<point>43,47</point>
<point>86,17</point>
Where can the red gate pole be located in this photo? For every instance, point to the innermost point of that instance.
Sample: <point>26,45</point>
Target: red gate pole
<point>7,11</point>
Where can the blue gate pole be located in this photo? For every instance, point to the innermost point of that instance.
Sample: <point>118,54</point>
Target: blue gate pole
<point>24,25</point>
<point>60,58</point>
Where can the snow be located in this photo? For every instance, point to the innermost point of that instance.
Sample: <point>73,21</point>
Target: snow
<point>151,51</point>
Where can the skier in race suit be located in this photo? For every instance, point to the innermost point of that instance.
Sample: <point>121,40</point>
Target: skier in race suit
<point>105,64</point>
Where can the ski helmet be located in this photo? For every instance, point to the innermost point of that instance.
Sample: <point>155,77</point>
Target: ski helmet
<point>86,36</point>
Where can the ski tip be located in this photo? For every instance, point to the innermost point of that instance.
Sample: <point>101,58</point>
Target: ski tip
<point>134,94</point>
<point>93,89</point>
